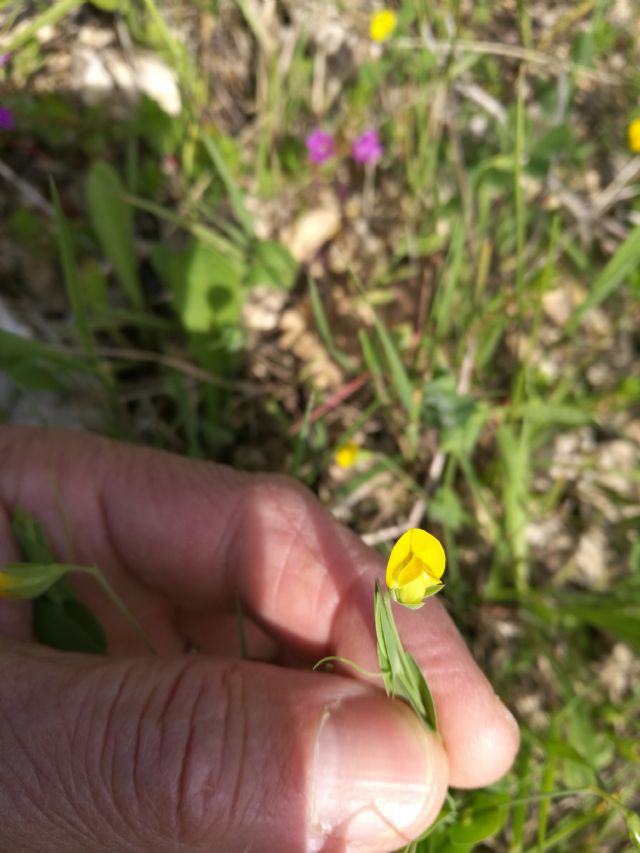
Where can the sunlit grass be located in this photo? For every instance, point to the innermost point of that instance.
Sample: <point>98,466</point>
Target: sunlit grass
<point>487,325</point>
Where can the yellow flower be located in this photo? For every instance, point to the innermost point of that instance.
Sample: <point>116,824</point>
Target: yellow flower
<point>633,132</point>
<point>27,580</point>
<point>347,454</point>
<point>415,567</point>
<point>382,24</point>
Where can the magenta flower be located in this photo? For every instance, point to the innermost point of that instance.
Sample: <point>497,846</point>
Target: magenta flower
<point>321,146</point>
<point>367,147</point>
<point>7,121</point>
<point>4,58</point>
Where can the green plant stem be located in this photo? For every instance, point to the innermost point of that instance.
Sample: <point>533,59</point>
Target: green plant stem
<point>52,15</point>
<point>119,603</point>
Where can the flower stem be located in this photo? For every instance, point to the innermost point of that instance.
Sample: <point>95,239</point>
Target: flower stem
<point>95,572</point>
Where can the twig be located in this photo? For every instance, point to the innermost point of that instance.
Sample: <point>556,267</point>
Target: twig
<point>31,194</point>
<point>197,373</point>
<point>331,402</point>
<point>384,535</point>
<point>613,191</point>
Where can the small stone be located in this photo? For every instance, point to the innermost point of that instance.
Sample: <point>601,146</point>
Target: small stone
<point>312,230</point>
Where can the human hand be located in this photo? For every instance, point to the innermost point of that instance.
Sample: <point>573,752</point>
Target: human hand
<point>185,752</point>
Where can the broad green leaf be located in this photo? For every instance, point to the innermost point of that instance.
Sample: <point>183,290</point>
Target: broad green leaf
<point>483,818</point>
<point>68,625</point>
<point>270,264</point>
<point>206,283</point>
<point>112,220</point>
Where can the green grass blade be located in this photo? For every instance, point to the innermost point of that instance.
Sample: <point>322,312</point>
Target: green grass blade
<point>235,196</point>
<point>112,220</point>
<point>71,277</point>
<point>399,375</point>
<point>625,261</point>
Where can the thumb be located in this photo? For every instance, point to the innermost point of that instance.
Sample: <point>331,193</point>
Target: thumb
<point>202,754</point>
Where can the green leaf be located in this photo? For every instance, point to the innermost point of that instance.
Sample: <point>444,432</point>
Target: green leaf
<point>399,375</point>
<point>633,828</point>
<point>112,220</point>
<point>207,285</point>
<point>624,262</point>
<point>622,621</point>
<point>483,818</point>
<point>402,675</point>
<point>33,365</point>
<point>30,537</point>
<point>270,264</point>
<point>324,327</point>
<point>235,196</point>
<point>68,625</point>
<point>426,699</point>
<point>75,291</point>
<point>442,406</point>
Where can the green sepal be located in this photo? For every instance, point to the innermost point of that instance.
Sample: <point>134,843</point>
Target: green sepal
<point>402,676</point>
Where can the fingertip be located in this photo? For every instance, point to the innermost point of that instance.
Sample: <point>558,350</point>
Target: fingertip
<point>381,777</point>
<point>481,743</point>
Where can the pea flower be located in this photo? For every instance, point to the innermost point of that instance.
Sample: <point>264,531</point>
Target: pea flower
<point>7,120</point>
<point>27,580</point>
<point>633,133</point>
<point>321,146</point>
<point>367,148</point>
<point>4,58</point>
<point>415,567</point>
<point>382,24</point>
<point>347,454</point>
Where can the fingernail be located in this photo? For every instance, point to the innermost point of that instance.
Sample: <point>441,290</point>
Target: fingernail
<point>372,772</point>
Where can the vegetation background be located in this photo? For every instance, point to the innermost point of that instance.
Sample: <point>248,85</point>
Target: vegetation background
<point>462,315</point>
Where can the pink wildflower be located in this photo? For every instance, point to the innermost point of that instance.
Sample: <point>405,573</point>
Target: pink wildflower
<point>4,58</point>
<point>367,148</point>
<point>321,146</point>
<point>7,120</point>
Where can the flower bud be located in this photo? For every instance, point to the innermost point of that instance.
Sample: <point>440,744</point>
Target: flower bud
<point>28,580</point>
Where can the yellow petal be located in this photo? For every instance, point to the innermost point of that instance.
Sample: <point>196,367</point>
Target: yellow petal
<point>347,454</point>
<point>382,24</point>
<point>407,574</point>
<point>416,563</point>
<point>399,557</point>
<point>413,593</point>
<point>634,136</point>
<point>428,549</point>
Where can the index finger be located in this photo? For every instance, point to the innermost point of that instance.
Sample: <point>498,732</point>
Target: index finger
<point>200,533</point>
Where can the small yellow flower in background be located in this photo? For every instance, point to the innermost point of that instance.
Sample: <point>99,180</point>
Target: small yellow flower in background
<point>347,454</point>
<point>415,567</point>
<point>633,132</point>
<point>382,24</point>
